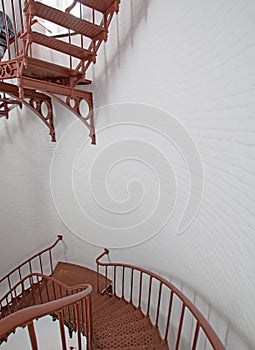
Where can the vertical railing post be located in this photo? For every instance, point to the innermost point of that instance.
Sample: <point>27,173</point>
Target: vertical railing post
<point>78,325</point>
<point>15,29</point>
<point>159,302</point>
<point>180,328</point>
<point>169,315</point>
<point>62,329</point>
<point>194,345</point>
<point>32,336</point>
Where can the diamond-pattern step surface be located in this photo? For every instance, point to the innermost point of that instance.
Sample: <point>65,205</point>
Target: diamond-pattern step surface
<point>113,307</point>
<point>65,20</point>
<point>117,322</point>
<point>143,347</point>
<point>61,46</point>
<point>125,340</point>
<point>127,328</point>
<point>101,6</point>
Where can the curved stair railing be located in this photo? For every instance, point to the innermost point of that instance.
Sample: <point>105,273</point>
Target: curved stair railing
<point>39,289</point>
<point>59,308</point>
<point>42,262</point>
<point>169,310</point>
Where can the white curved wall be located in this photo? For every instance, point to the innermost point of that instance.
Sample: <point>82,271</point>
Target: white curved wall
<point>194,60</point>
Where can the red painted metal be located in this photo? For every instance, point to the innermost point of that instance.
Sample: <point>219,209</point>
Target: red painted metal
<point>161,312</point>
<point>37,74</point>
<point>21,270</point>
<point>29,292</point>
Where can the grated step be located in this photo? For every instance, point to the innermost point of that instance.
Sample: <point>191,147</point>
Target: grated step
<point>111,323</point>
<point>132,327</point>
<point>113,306</point>
<point>146,338</point>
<point>102,5</point>
<point>65,20</point>
<point>61,46</point>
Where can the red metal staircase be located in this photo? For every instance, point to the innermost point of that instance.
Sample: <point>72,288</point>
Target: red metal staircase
<point>125,307</point>
<point>37,80</point>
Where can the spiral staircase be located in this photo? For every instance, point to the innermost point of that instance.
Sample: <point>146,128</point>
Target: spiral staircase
<point>118,306</point>
<point>34,81</point>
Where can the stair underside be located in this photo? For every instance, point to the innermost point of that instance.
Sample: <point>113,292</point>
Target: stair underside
<point>66,20</point>
<point>61,46</point>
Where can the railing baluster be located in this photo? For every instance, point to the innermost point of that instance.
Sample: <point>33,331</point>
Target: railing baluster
<point>106,276</point>
<point>78,325</point>
<point>169,315</point>
<point>123,283</point>
<point>194,345</point>
<point>159,302</point>
<point>131,286</point>
<point>149,297</point>
<point>180,328</point>
<point>21,16</point>
<point>62,329</point>
<point>140,289</point>
<point>51,263</point>
<point>40,260</point>
<point>32,336</point>
<point>114,279</point>
<point>15,29</point>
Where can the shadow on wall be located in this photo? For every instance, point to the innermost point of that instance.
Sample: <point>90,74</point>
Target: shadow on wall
<point>137,12</point>
<point>230,335</point>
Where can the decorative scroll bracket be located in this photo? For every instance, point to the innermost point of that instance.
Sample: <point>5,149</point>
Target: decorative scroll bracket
<point>69,97</point>
<point>39,103</point>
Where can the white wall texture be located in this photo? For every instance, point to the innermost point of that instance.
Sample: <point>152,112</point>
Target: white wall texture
<point>192,61</point>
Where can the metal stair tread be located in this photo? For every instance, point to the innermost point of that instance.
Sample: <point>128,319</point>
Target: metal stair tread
<point>101,6</point>
<point>65,20</point>
<point>139,338</point>
<point>127,328</point>
<point>61,46</point>
<point>124,319</point>
<point>143,347</point>
<point>111,305</point>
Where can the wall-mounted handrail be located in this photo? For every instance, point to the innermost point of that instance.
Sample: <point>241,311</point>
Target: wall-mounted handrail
<point>155,296</point>
<point>28,264</point>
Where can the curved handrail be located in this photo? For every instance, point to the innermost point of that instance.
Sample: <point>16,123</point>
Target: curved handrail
<point>28,262</point>
<point>201,321</point>
<point>42,278</point>
<point>27,315</point>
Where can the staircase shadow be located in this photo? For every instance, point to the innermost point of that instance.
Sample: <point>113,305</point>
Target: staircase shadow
<point>136,16</point>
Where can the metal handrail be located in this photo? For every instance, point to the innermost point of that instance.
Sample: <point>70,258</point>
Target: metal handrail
<point>126,286</point>
<point>75,312</point>
<point>28,262</point>
<point>27,316</point>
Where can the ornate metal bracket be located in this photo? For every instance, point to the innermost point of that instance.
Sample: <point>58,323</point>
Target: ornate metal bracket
<point>7,104</point>
<point>70,98</point>
<point>43,109</point>
<point>39,103</point>
<point>74,104</point>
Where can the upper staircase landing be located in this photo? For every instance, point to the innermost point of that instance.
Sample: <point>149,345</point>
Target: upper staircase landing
<point>71,52</point>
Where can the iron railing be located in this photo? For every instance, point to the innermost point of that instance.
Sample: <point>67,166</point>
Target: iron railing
<point>41,262</point>
<point>70,305</point>
<point>179,322</point>
<point>22,24</point>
